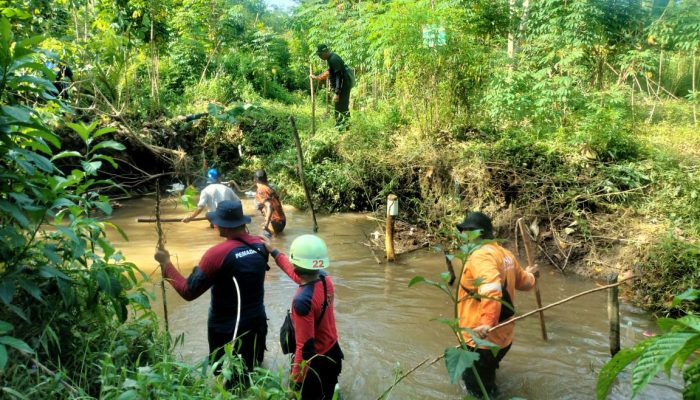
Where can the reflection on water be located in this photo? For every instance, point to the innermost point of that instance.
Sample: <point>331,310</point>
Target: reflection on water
<point>386,327</point>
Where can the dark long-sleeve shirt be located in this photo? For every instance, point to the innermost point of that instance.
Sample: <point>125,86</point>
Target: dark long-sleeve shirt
<point>337,73</point>
<point>231,258</point>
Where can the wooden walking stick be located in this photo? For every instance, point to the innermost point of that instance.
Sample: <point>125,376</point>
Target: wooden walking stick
<point>313,102</point>
<point>530,260</point>
<point>161,246</point>
<point>300,157</point>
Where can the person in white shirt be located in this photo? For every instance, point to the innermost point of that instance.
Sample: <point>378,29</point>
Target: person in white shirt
<point>213,194</point>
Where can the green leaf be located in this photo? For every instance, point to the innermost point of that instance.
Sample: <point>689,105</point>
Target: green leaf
<point>109,144</point>
<point>14,393</point>
<point>130,394</point>
<point>31,288</point>
<point>5,327</point>
<point>20,114</point>
<point>458,360</point>
<point>612,368</point>
<point>65,154</point>
<point>416,280</point>
<point>691,321</point>
<point>16,343</point>
<point>49,272</point>
<point>103,131</point>
<point>82,130</point>
<point>689,295</point>
<point>661,350</point>
<point>108,159</point>
<point>106,247</point>
<point>7,290</point>
<point>3,356</point>
<point>92,167</point>
<point>15,212</point>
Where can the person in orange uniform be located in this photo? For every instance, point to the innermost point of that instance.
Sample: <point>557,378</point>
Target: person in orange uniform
<point>492,273</point>
<point>269,205</point>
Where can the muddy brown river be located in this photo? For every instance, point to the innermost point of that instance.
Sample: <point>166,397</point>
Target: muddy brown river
<point>385,327</point>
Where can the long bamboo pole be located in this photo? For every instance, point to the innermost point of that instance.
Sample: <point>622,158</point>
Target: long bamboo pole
<point>161,246</point>
<point>300,157</point>
<point>530,261</point>
<point>157,220</point>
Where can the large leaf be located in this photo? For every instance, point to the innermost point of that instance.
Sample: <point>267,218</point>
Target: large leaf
<point>7,290</point>
<point>5,327</point>
<point>15,212</point>
<point>16,343</point>
<point>660,351</point>
<point>689,295</point>
<point>457,360</point>
<point>31,288</point>
<point>3,356</point>
<point>109,144</point>
<point>65,154</point>
<point>612,368</point>
<point>17,113</point>
<point>92,167</point>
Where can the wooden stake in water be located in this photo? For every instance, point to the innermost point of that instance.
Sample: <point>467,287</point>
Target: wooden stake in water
<point>300,157</point>
<point>530,260</point>
<point>391,212</point>
<point>614,315</point>
<point>161,246</point>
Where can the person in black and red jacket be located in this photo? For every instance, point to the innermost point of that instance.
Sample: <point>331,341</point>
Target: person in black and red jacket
<point>241,257</point>
<point>318,358</point>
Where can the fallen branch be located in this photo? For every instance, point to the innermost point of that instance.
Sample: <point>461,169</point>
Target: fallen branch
<point>54,375</point>
<point>402,377</point>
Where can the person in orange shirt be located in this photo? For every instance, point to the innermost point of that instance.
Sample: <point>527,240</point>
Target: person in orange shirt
<point>490,275</point>
<point>269,205</point>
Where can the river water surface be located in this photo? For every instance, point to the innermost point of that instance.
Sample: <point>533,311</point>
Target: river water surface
<point>385,327</point>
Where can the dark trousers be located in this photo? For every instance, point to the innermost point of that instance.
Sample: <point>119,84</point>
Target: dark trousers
<point>322,376</point>
<point>342,108</point>
<point>250,345</point>
<point>486,366</point>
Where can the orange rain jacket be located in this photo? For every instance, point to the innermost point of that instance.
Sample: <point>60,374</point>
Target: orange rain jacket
<point>487,271</point>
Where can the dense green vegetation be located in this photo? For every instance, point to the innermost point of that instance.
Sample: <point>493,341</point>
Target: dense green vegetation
<point>580,113</point>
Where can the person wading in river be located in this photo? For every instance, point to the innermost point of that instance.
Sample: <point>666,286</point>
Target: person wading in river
<point>243,258</point>
<point>492,273</point>
<point>269,205</point>
<point>317,358</point>
<point>213,194</point>
<point>341,82</point>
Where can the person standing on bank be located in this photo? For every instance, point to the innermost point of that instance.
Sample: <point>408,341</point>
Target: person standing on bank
<point>269,205</point>
<point>241,258</point>
<point>492,273</point>
<point>341,83</point>
<point>317,358</point>
<point>213,194</point>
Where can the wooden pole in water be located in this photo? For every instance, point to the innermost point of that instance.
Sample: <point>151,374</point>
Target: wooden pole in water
<point>161,246</point>
<point>392,210</point>
<point>300,158</point>
<point>313,102</point>
<point>526,243</point>
<point>614,315</point>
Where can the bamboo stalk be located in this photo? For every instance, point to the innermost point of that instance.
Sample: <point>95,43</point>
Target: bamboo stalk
<point>300,158</point>
<point>161,246</point>
<point>530,261</point>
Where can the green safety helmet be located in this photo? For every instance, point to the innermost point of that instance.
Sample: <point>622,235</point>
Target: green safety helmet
<point>309,252</point>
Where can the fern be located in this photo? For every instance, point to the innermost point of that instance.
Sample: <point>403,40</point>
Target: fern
<point>661,350</point>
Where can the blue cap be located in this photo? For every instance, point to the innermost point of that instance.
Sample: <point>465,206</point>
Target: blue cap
<point>212,175</point>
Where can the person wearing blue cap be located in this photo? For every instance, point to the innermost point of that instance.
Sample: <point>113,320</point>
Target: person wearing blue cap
<point>213,194</point>
<point>235,271</point>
